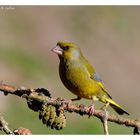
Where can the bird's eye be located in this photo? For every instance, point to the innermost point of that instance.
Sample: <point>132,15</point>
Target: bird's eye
<point>66,48</point>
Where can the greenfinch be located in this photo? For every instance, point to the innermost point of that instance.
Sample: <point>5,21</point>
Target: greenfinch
<point>79,76</point>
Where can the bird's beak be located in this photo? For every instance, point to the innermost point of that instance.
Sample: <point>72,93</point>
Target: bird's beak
<point>57,50</point>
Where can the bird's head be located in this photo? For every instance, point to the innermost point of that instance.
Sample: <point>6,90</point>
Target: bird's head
<point>67,50</point>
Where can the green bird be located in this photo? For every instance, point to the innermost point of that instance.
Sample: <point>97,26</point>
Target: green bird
<point>79,76</point>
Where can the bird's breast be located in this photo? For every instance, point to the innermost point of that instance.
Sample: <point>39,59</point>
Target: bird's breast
<point>76,78</point>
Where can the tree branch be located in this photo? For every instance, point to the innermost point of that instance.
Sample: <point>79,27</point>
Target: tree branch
<point>36,95</point>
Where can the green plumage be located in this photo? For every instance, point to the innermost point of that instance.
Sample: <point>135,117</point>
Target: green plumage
<point>78,75</point>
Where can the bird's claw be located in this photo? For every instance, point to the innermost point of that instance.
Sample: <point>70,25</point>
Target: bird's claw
<point>91,110</point>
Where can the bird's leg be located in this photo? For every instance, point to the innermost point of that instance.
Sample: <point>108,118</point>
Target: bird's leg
<point>91,108</point>
<point>68,101</point>
<point>75,99</point>
<point>104,107</point>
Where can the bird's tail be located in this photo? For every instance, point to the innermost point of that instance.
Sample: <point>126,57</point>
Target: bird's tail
<point>116,107</point>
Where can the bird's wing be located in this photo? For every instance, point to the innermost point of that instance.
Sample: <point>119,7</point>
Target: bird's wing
<point>95,76</point>
<point>89,67</point>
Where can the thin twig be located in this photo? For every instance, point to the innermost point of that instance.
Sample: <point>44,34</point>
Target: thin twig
<point>34,94</point>
<point>4,126</point>
<point>105,122</point>
<point>105,125</point>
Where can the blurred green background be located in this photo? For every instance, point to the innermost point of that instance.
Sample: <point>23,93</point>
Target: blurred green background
<point>109,38</point>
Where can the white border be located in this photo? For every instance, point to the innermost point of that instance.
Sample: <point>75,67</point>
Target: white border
<point>70,137</point>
